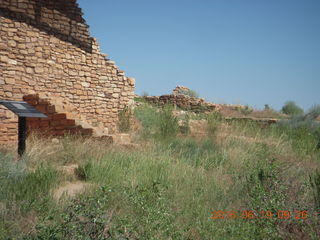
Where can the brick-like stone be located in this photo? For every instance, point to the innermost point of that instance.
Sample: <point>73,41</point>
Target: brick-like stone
<point>39,70</point>
<point>63,65</point>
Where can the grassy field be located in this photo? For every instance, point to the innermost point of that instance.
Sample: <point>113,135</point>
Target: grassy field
<point>237,180</point>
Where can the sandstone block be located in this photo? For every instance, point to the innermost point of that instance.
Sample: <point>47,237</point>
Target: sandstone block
<point>4,58</point>
<point>29,70</point>
<point>10,81</point>
<point>39,70</point>
<point>13,62</point>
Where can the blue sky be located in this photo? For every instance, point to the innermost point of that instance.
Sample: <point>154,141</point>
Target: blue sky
<point>251,52</point>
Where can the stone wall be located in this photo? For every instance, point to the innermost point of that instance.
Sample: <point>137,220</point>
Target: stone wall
<point>46,52</point>
<point>182,101</point>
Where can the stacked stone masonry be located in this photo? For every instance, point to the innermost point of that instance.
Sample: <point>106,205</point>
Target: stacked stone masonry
<point>182,101</point>
<point>46,52</point>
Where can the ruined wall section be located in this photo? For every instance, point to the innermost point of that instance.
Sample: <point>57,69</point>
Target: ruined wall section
<point>45,49</point>
<point>182,101</point>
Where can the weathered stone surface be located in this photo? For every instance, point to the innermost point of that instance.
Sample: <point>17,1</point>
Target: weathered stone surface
<point>56,58</point>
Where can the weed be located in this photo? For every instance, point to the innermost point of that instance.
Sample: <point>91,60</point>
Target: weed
<point>198,154</point>
<point>189,92</point>
<point>168,123</point>
<point>125,116</point>
<point>149,118</point>
<point>83,171</point>
<point>303,130</point>
<point>291,108</point>
<point>185,126</point>
<point>166,189</point>
<point>246,110</point>
<point>214,120</point>
<point>140,99</point>
<point>315,184</point>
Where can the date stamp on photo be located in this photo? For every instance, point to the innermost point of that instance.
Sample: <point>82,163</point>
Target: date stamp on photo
<point>250,214</point>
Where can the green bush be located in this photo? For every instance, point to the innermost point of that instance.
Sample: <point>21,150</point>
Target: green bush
<point>267,107</point>
<point>189,92</point>
<point>291,108</point>
<point>168,123</point>
<point>161,124</point>
<point>304,130</point>
<point>149,119</point>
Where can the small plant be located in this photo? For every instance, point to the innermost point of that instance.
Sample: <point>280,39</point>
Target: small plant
<point>168,123</point>
<point>291,108</point>
<point>125,116</point>
<point>139,99</point>
<point>304,130</point>
<point>315,184</point>
<point>185,127</point>
<point>197,154</point>
<point>213,121</point>
<point>148,116</point>
<point>267,107</point>
<point>83,172</point>
<point>188,92</point>
<point>246,110</point>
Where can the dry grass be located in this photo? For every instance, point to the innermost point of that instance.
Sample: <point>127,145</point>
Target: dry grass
<point>168,189</point>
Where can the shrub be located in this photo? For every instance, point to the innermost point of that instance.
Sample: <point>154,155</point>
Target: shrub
<point>267,107</point>
<point>149,118</point>
<point>291,108</point>
<point>189,92</point>
<point>168,123</point>
<point>213,121</point>
<point>246,110</point>
<point>125,116</point>
<point>313,113</point>
<point>304,130</point>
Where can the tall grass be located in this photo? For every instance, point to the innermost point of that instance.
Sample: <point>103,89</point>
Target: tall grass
<point>304,130</point>
<point>168,123</point>
<point>166,189</point>
<point>158,123</point>
<point>125,116</point>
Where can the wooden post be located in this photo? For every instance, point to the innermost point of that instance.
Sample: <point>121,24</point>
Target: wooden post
<point>22,135</point>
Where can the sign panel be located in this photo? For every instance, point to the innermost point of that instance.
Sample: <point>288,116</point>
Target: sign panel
<point>22,109</point>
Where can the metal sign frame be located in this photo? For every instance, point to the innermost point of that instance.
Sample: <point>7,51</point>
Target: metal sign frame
<point>23,110</point>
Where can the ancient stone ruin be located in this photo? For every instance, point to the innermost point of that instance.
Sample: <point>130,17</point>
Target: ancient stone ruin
<point>182,101</point>
<point>230,112</point>
<point>48,59</point>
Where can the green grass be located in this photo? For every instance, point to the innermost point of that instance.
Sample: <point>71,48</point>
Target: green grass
<point>125,116</point>
<point>165,189</point>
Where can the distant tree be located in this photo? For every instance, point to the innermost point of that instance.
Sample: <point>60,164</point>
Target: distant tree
<point>291,108</point>
<point>267,107</point>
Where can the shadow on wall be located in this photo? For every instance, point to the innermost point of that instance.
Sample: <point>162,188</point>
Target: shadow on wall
<point>59,18</point>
